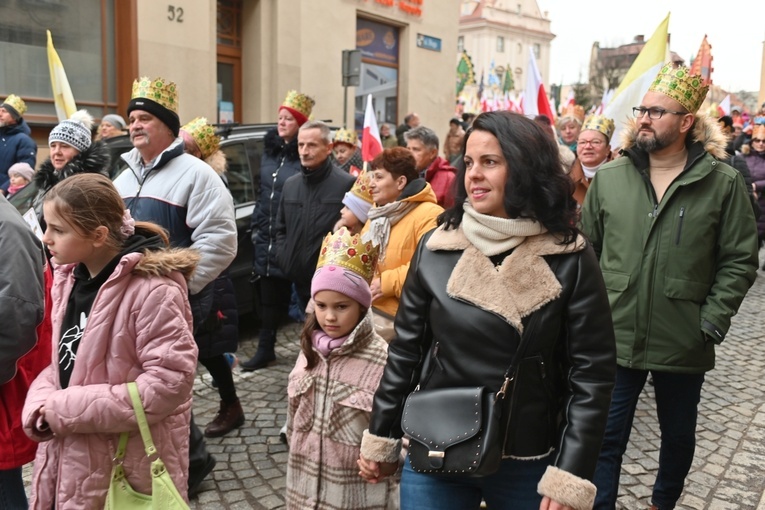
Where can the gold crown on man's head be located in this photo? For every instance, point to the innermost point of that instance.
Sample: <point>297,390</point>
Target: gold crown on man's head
<point>16,103</point>
<point>204,136</point>
<point>299,102</point>
<point>350,252</point>
<point>679,84</point>
<point>599,123</point>
<point>159,90</point>
<point>361,187</point>
<point>348,136</point>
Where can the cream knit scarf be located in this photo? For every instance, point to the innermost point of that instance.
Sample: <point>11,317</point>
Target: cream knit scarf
<point>493,235</point>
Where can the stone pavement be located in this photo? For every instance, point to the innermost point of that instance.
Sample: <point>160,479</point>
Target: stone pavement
<point>728,471</point>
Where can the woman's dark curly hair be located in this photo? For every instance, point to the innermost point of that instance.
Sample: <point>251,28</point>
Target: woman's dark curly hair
<point>536,185</point>
<point>397,161</point>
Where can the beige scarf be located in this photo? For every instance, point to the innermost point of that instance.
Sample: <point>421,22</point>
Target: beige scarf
<point>381,220</point>
<point>493,235</point>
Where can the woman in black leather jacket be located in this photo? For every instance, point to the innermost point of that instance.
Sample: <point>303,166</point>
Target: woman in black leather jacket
<point>507,251</point>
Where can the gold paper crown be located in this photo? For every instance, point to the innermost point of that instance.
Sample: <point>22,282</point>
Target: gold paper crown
<point>16,103</point>
<point>601,124</point>
<point>575,111</point>
<point>346,136</point>
<point>159,90</point>
<point>682,86</point>
<point>204,136</point>
<point>361,187</point>
<point>759,132</point>
<point>350,252</point>
<point>299,102</point>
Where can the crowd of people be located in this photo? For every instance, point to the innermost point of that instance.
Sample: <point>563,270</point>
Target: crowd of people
<point>529,244</point>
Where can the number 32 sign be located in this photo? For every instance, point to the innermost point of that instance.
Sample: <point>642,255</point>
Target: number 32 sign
<point>175,13</point>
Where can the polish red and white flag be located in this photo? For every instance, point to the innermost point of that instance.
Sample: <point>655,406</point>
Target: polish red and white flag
<point>535,100</point>
<point>371,145</point>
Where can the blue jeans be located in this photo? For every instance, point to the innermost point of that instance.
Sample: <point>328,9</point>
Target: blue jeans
<point>677,400</point>
<point>513,487</point>
<point>12,495</point>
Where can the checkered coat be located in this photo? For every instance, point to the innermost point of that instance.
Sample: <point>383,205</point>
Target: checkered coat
<point>329,408</point>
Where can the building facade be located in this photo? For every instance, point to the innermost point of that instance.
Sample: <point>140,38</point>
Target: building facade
<point>234,60</point>
<point>502,32</point>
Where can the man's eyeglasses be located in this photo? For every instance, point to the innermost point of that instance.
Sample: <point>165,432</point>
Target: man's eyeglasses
<point>758,140</point>
<point>653,113</point>
<point>594,143</point>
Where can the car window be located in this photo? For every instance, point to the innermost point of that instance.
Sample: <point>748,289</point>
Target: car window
<point>255,149</point>
<point>238,174</point>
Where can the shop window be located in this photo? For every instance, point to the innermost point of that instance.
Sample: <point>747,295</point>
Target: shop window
<point>84,36</point>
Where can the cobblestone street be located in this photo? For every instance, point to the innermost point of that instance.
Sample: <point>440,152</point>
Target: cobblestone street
<point>728,471</point>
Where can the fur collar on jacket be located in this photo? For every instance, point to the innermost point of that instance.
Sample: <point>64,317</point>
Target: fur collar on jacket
<point>217,161</point>
<point>94,160</point>
<point>705,131</point>
<point>522,284</point>
<point>164,262</point>
<point>275,146</point>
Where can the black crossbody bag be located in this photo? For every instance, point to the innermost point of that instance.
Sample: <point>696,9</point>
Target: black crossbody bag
<point>457,431</point>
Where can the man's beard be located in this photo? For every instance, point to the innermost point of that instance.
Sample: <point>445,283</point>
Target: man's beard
<point>656,142</point>
<point>2,124</point>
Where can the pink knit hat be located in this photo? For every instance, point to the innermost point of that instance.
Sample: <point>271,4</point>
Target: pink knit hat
<point>344,281</point>
<point>346,265</point>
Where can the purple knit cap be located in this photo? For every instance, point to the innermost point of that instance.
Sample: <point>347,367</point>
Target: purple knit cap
<point>344,281</point>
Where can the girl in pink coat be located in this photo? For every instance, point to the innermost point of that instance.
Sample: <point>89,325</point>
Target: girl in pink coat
<point>120,314</point>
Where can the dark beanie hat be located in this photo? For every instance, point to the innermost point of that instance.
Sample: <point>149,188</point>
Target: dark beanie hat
<point>169,118</point>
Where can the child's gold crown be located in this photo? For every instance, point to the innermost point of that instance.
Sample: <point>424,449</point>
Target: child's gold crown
<point>204,135</point>
<point>350,252</point>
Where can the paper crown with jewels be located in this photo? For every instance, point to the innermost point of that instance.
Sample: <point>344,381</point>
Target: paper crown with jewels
<point>601,124</point>
<point>361,187</point>
<point>348,251</point>
<point>346,136</point>
<point>299,105</point>
<point>161,91</point>
<point>574,111</point>
<point>16,103</point>
<point>679,84</point>
<point>204,136</point>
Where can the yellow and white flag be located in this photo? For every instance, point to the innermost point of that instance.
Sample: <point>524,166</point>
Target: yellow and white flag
<point>62,94</point>
<point>637,80</point>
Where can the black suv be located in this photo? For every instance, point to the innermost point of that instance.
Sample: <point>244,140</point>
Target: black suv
<point>243,147</point>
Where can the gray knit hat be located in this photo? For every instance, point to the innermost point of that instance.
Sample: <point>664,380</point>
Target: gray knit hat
<point>74,131</point>
<point>115,120</point>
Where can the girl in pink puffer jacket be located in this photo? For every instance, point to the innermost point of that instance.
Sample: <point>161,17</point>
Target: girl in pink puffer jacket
<point>120,314</point>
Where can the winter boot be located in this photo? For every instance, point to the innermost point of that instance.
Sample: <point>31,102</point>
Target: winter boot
<point>228,418</point>
<point>265,353</point>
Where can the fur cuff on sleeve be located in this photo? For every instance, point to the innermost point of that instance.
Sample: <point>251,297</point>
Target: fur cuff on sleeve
<point>379,449</point>
<point>567,489</point>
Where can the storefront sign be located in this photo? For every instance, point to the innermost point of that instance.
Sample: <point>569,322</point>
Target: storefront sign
<point>378,42</point>
<point>428,42</point>
<point>411,7</point>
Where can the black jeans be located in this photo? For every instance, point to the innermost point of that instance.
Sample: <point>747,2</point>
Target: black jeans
<point>274,301</point>
<point>221,371</point>
<point>677,400</point>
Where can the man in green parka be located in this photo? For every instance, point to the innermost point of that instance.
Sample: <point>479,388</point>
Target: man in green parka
<point>677,242</point>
